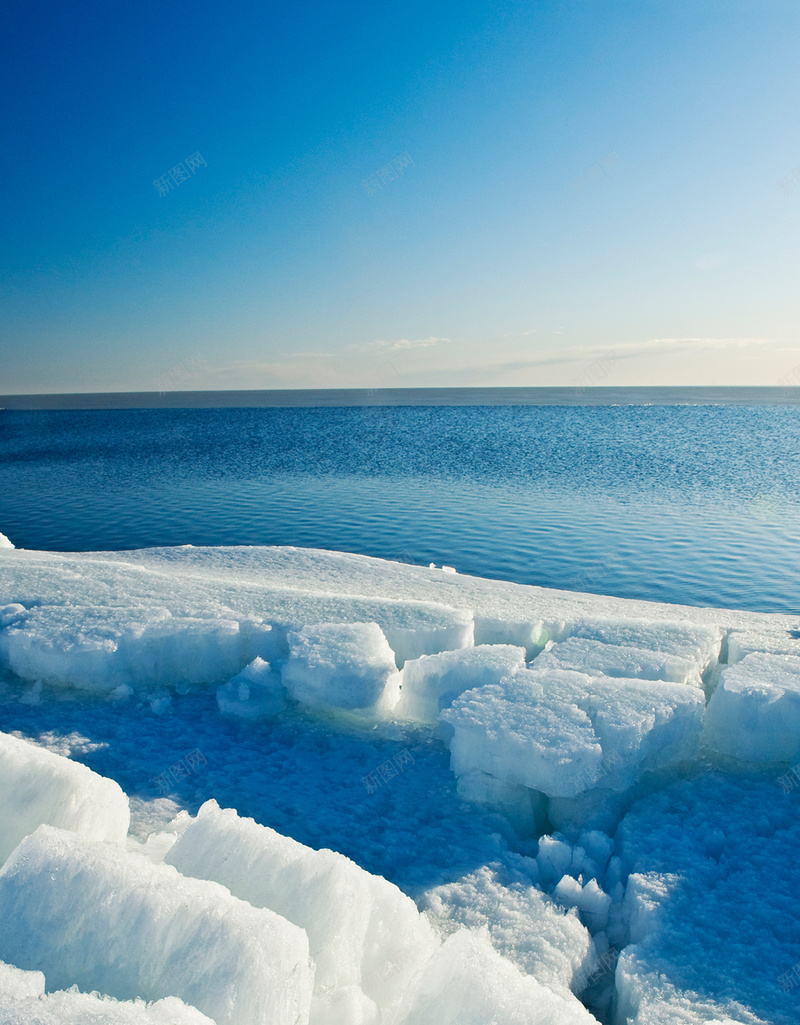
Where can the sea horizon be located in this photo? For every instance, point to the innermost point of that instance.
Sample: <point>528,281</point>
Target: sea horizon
<point>447,396</point>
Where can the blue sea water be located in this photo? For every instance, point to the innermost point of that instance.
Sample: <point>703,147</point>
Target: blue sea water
<point>693,503</point>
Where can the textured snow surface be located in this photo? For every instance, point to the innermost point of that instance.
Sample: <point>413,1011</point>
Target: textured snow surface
<point>467,982</point>
<point>363,793</point>
<point>713,905</point>
<point>539,937</point>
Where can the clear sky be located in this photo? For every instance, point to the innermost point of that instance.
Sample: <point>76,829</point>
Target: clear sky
<point>399,194</point>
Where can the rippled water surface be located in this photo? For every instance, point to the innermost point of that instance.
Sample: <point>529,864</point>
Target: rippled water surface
<point>694,504</point>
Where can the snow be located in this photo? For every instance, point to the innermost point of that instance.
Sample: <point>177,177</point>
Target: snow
<point>94,915</point>
<point>687,640</point>
<point>37,786</point>
<point>388,795</point>
<point>18,985</point>
<point>711,907</point>
<point>769,641</point>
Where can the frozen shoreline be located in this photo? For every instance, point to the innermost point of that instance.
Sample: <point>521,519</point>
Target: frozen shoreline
<point>575,725</point>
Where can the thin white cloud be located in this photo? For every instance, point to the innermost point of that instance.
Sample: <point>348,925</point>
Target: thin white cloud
<point>631,350</point>
<point>402,344</point>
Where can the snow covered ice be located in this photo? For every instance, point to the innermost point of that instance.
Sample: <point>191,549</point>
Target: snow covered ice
<point>356,922</point>
<point>36,787</point>
<point>23,1001</point>
<point>102,918</point>
<point>272,784</point>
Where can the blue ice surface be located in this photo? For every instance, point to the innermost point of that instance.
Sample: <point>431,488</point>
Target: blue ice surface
<point>307,776</point>
<point>729,928</point>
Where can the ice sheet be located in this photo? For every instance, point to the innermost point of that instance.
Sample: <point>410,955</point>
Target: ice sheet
<point>548,747</point>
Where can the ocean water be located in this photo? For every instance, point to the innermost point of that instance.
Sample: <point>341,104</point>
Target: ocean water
<point>690,503</point>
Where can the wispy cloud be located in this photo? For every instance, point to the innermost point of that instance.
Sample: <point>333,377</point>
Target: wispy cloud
<point>402,344</point>
<point>630,350</point>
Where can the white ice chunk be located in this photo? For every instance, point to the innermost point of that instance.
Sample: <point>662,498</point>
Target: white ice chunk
<point>467,982</point>
<point>524,925</point>
<point>772,642</point>
<point>70,1007</point>
<point>338,665</point>
<point>641,724</point>
<point>256,691</point>
<point>698,642</point>
<point>357,923</point>
<point>433,682</point>
<point>589,899</point>
<point>15,984</point>
<point>597,658</point>
<point>563,732</point>
<point>598,846</point>
<point>100,648</point>
<point>754,713</point>
<point>94,915</point>
<point>38,786</point>
<point>4,542</point>
<point>568,891</point>
<point>554,858</point>
<point>527,633</point>
<point>512,731</point>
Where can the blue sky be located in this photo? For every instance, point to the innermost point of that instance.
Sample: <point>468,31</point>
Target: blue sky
<point>416,194</point>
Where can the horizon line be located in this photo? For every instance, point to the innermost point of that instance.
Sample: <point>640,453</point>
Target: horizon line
<point>442,395</point>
